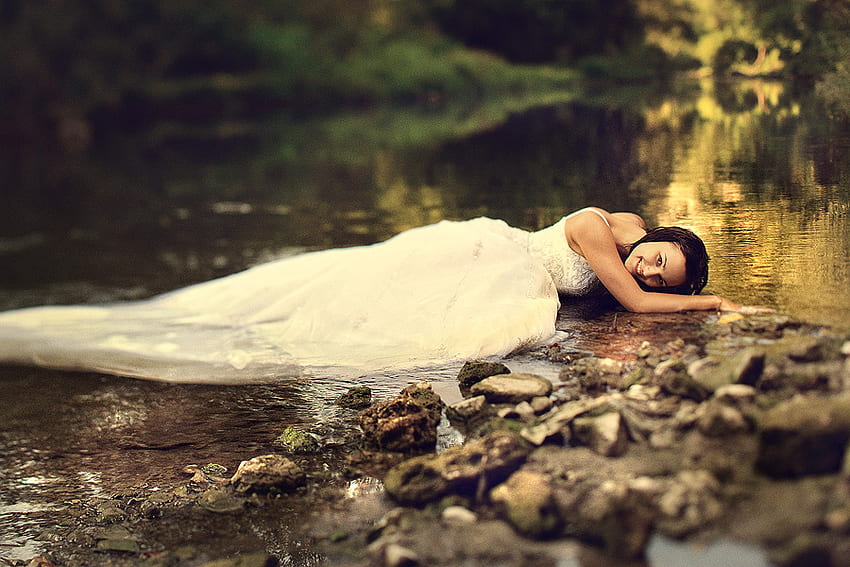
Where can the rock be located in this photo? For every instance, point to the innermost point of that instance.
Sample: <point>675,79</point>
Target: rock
<point>466,470</point>
<point>556,423</point>
<point>122,545</point>
<point>267,473</point>
<point>296,441</point>
<point>356,398</point>
<point>474,371</point>
<point>458,515</point>
<point>673,377</point>
<point>605,434</point>
<point>466,409</point>
<point>610,514</point>
<point>804,436</point>
<point>541,404</point>
<point>717,419</point>
<point>512,388</point>
<point>746,367</point>
<point>522,411</point>
<point>527,499</point>
<point>595,374</point>
<point>735,393</point>
<point>406,423</point>
<point>214,470</point>
<point>259,559</point>
<point>220,501</point>
<point>396,555</point>
<point>424,395</point>
<point>690,502</point>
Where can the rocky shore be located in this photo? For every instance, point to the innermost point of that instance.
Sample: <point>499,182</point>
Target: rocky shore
<point>738,434</point>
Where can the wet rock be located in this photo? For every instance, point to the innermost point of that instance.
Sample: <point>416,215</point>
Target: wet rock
<point>814,349</point>
<point>512,388</point>
<point>295,440</point>
<point>121,545</point>
<point>744,367</point>
<point>672,375</point>
<point>804,436</point>
<point>718,419</point>
<point>259,559</point>
<point>735,393</point>
<point>214,470</point>
<point>605,434</point>
<point>522,412</point>
<point>467,409</point>
<point>466,470</point>
<point>458,515</point>
<point>596,374</point>
<point>541,404</point>
<point>690,502</point>
<point>358,397</point>
<point>610,514</point>
<point>406,423</point>
<point>267,473</point>
<point>220,501</point>
<point>527,500</point>
<point>474,371</point>
<point>396,555</point>
<point>110,513</point>
<point>424,395</point>
<point>555,425</point>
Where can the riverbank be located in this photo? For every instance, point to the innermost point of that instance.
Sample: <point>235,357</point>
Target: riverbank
<point>727,433</point>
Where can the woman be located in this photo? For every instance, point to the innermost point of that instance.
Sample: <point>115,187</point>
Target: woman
<point>657,271</point>
<point>430,295</point>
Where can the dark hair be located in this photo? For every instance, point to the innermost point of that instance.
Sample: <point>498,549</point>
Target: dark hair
<point>696,257</point>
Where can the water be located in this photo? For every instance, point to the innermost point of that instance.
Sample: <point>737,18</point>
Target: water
<point>762,176</point>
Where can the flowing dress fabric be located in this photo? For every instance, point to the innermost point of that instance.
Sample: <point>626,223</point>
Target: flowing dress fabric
<point>445,292</point>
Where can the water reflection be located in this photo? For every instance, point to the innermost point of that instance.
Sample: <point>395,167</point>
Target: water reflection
<point>761,175</point>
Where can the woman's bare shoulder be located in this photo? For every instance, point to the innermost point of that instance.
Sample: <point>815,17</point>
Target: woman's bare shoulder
<point>631,218</point>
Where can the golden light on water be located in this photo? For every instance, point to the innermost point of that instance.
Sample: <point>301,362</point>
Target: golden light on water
<point>790,253</point>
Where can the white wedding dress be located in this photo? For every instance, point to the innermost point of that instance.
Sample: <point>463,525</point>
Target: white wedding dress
<point>447,292</point>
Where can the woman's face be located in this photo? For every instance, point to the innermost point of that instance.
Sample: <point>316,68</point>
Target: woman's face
<point>657,264</point>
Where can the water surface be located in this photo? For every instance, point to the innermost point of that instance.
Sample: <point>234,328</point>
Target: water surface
<point>762,176</point>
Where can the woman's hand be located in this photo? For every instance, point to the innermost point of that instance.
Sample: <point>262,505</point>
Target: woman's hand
<point>726,305</point>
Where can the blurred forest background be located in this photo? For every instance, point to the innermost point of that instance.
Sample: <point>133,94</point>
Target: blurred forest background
<point>70,68</point>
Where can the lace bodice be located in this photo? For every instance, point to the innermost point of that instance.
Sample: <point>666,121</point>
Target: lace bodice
<point>570,272</point>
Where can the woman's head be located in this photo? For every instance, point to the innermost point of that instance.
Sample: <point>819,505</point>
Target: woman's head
<point>669,259</point>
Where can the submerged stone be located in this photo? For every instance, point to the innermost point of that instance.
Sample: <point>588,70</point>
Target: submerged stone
<point>356,398</point>
<point>267,473</point>
<point>122,545</point>
<point>298,441</point>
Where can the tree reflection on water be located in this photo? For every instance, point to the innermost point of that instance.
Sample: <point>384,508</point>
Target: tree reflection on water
<point>762,175</point>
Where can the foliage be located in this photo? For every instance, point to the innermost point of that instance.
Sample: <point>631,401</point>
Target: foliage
<point>537,31</point>
<point>67,62</point>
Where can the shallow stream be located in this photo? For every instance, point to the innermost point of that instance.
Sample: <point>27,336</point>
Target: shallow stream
<point>764,178</point>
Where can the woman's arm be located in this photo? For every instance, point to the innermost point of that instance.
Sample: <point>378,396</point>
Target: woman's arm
<point>591,237</point>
